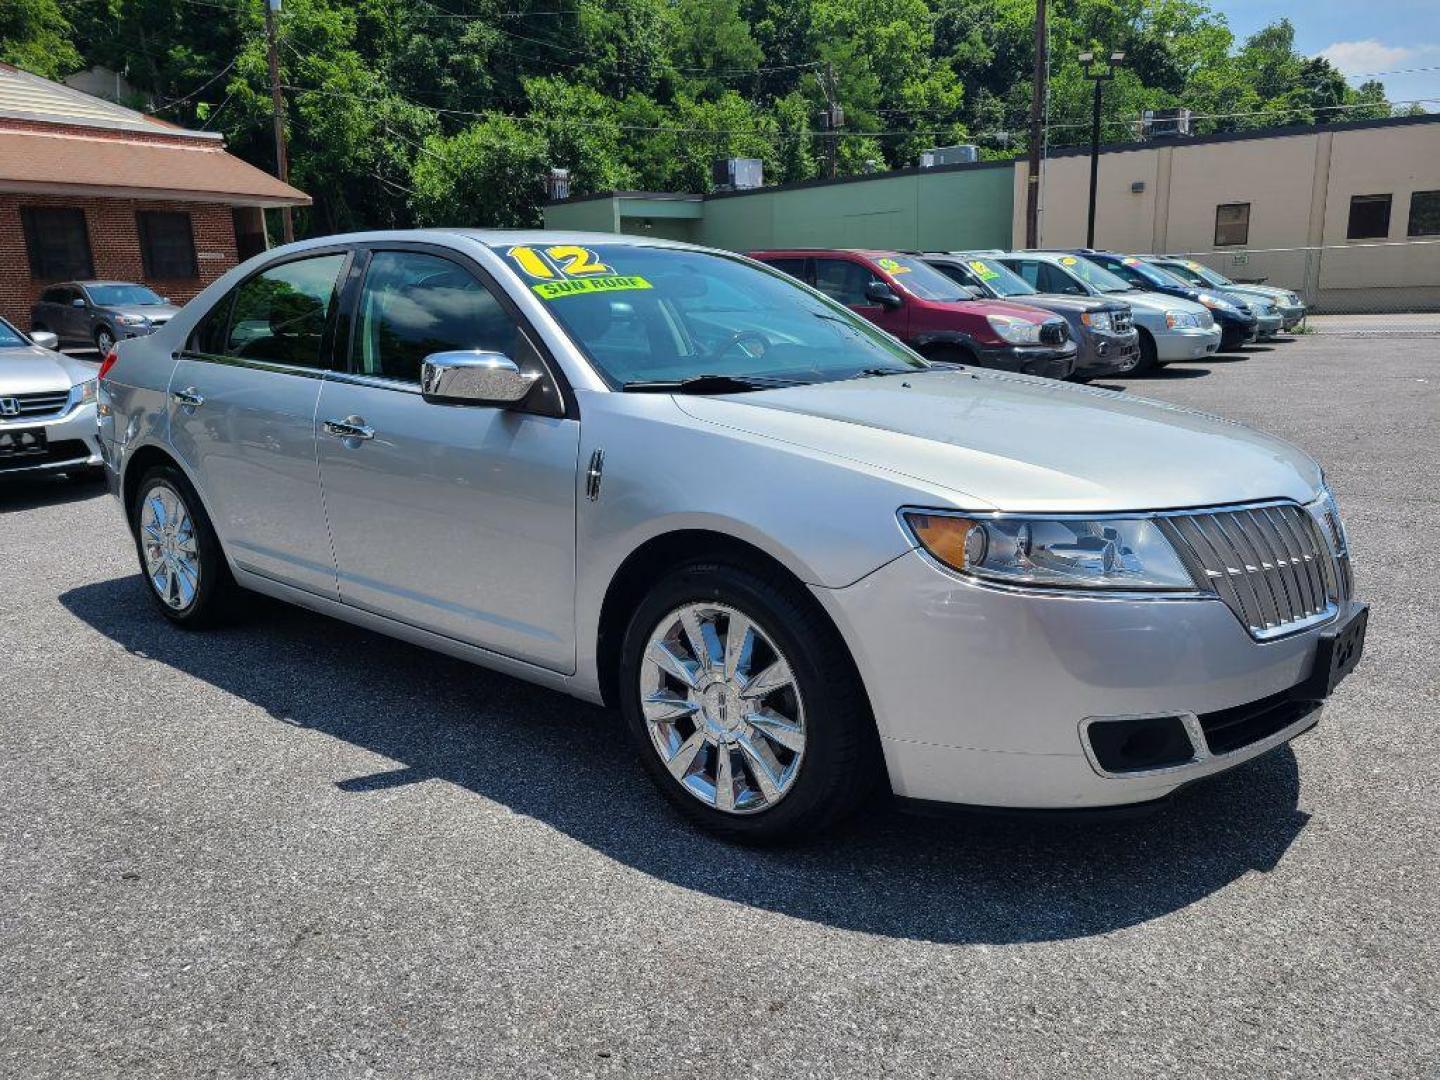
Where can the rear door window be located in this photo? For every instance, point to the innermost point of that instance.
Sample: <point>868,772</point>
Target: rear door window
<point>843,280</point>
<point>279,315</point>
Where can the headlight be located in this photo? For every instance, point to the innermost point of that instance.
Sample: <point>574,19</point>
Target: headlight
<point>1099,320</point>
<point>1068,553</point>
<point>1016,331</point>
<point>130,320</point>
<point>1328,511</point>
<point>85,391</point>
<point>1292,299</point>
<point>1182,320</point>
<point>1214,303</point>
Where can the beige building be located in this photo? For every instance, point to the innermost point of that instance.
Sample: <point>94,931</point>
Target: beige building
<point>1348,214</point>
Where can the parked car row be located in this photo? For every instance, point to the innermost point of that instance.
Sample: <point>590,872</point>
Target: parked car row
<point>802,560</point>
<point>1077,314</point>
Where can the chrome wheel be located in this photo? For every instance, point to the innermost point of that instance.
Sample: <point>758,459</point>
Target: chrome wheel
<point>172,554</point>
<point>722,708</point>
<point>104,341</point>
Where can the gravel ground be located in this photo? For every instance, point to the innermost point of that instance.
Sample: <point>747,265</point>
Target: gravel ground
<point>296,849</point>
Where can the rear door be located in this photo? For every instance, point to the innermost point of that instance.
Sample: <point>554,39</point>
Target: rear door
<point>242,417</point>
<point>459,519</point>
<point>846,280</point>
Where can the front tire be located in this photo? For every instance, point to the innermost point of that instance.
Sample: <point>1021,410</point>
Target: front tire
<point>104,340</point>
<point>1149,355</point>
<point>180,558</point>
<point>744,706</point>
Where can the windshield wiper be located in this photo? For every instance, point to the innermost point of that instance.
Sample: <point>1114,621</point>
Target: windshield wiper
<point>707,384</point>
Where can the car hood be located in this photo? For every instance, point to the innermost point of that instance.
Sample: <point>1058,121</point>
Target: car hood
<point>1157,303</point>
<point>27,369</point>
<point>159,314</point>
<point>1260,292</point>
<point>1066,305</point>
<point>1011,442</point>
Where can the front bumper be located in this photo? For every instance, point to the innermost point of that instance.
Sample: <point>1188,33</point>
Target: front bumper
<point>1104,352</point>
<point>72,442</point>
<point>1050,361</point>
<point>1186,343</point>
<point>1237,333</point>
<point>1267,326</point>
<point>1291,317</point>
<point>981,695</point>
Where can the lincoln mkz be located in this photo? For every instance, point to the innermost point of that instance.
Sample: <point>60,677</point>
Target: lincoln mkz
<point>802,560</point>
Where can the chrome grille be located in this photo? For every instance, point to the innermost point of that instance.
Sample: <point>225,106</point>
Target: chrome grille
<point>37,405</point>
<point>1271,564</point>
<point>1121,321</point>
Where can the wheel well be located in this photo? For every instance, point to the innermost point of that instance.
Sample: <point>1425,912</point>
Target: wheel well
<point>651,561</point>
<point>141,462</point>
<point>946,351</point>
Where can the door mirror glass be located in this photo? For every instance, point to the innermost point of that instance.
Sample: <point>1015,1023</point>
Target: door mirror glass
<point>878,292</point>
<point>474,377</point>
<point>45,339</point>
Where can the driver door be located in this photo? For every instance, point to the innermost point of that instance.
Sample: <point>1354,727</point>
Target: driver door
<point>846,281</point>
<point>458,519</point>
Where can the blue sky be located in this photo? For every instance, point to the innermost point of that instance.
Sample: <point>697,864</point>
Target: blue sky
<point>1358,37</point>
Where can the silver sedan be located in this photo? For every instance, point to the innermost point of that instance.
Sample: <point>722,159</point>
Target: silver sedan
<point>47,408</point>
<point>804,562</point>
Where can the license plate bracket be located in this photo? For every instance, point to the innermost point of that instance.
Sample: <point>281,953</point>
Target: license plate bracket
<point>1336,655</point>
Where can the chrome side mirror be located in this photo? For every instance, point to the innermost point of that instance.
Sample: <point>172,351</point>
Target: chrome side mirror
<point>77,302</point>
<point>474,378</point>
<point>45,339</point>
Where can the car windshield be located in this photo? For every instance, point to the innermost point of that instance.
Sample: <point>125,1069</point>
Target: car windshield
<point>921,280</point>
<point>1200,272</point>
<point>655,315</point>
<point>999,278</point>
<point>10,337</point>
<point>1093,275</point>
<point>122,296</point>
<point>1149,275</point>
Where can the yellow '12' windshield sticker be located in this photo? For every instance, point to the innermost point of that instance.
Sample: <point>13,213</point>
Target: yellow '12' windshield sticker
<point>890,266</point>
<point>984,272</point>
<point>554,290</point>
<point>561,261</point>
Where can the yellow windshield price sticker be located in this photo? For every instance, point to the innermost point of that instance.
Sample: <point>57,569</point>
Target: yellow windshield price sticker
<point>563,260</point>
<point>1192,265</point>
<point>554,290</point>
<point>982,271</point>
<point>890,266</point>
<point>1132,261</point>
<point>1069,260</point>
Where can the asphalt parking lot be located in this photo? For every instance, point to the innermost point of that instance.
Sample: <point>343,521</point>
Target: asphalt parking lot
<point>293,848</point>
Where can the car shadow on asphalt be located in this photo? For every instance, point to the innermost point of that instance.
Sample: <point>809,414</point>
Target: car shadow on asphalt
<point>971,879</point>
<point>32,493</point>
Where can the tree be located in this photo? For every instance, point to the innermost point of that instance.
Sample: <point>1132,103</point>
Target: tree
<point>34,35</point>
<point>491,175</point>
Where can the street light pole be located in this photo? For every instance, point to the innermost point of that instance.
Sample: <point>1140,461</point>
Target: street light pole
<point>1099,76</point>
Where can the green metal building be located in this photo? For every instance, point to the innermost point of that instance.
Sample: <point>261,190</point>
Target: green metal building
<point>951,207</point>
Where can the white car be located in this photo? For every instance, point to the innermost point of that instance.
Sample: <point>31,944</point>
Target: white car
<point>789,549</point>
<point>47,408</point>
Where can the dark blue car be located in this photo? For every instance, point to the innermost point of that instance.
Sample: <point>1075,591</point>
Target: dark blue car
<point>1238,323</point>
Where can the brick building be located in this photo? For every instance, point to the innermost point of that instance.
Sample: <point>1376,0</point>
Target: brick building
<point>89,189</point>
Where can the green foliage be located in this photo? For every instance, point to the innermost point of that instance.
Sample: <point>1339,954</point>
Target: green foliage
<point>452,111</point>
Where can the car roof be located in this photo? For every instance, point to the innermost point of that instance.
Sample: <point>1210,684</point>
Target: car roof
<point>87,282</point>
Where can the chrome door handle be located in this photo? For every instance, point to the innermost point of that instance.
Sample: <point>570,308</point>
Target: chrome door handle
<point>189,397</point>
<point>352,427</point>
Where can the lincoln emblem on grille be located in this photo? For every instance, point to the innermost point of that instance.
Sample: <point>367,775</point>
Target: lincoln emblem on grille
<point>9,406</point>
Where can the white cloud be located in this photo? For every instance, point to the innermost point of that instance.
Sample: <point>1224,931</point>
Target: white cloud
<point>1363,57</point>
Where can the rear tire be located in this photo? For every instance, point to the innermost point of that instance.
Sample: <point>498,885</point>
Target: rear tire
<point>185,571</point>
<point>808,761</point>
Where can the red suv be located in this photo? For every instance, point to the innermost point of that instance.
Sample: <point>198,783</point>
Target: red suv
<point>932,314</point>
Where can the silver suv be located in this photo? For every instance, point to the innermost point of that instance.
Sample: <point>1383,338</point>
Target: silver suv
<point>801,559</point>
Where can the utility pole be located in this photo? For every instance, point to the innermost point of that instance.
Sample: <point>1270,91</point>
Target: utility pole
<point>831,120</point>
<point>1037,119</point>
<point>1099,77</point>
<point>277,101</point>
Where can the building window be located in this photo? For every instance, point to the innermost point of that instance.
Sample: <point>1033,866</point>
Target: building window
<point>1424,214</point>
<point>1369,217</point>
<point>1232,224</point>
<point>57,242</point>
<point>167,245</point>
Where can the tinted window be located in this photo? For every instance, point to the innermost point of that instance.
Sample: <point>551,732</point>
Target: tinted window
<point>279,315</point>
<point>167,245</point>
<point>844,281</point>
<point>794,267</point>
<point>58,295</point>
<point>413,305</point>
<point>123,296</point>
<point>1232,224</point>
<point>1052,280</point>
<point>1369,217</point>
<point>10,337</point>
<point>57,242</point>
<point>919,278</point>
<point>1424,214</point>
<point>210,332</point>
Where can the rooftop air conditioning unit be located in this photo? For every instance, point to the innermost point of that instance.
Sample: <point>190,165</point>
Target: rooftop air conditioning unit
<point>964,154</point>
<point>1166,124</point>
<point>738,174</point>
